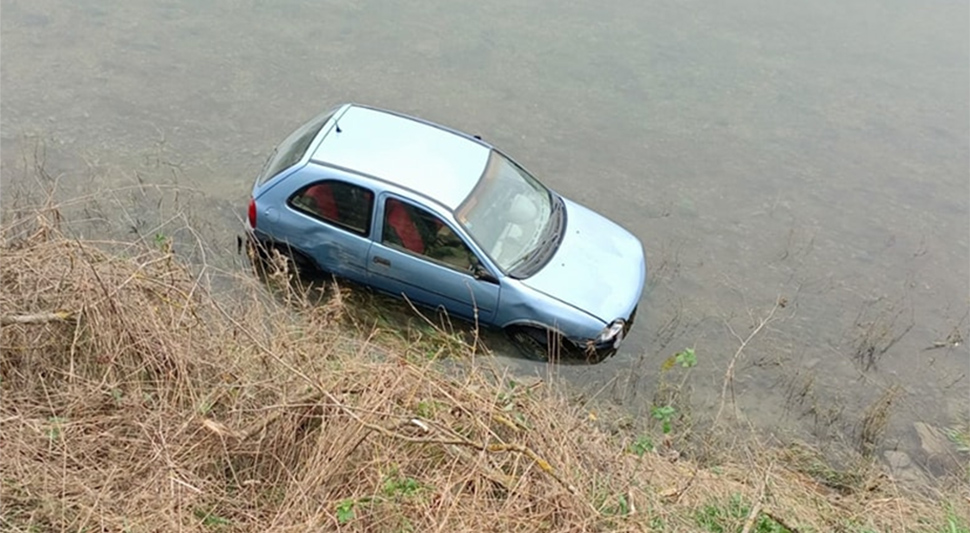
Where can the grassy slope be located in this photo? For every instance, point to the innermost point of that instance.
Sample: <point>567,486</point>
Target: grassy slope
<point>155,407</point>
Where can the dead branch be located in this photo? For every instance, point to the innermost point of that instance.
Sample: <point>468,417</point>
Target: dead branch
<point>683,490</point>
<point>454,441</point>
<point>781,522</point>
<point>457,441</point>
<point>258,426</point>
<point>756,508</point>
<point>729,373</point>
<point>38,318</point>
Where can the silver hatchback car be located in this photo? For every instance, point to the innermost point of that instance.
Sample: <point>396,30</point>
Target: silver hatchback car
<point>417,210</point>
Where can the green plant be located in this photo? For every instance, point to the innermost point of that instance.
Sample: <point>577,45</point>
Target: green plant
<point>716,518</point>
<point>116,396</point>
<point>960,437</point>
<point>345,510</point>
<point>405,526</point>
<point>205,407</point>
<point>426,409</point>
<point>955,524</point>
<point>686,358</point>
<point>730,516</point>
<point>401,486</point>
<point>56,428</point>
<point>508,401</point>
<point>621,507</point>
<point>210,519</point>
<point>642,445</point>
<point>161,241</point>
<point>665,415</point>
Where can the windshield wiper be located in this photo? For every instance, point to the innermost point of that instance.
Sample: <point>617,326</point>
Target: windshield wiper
<point>547,245</point>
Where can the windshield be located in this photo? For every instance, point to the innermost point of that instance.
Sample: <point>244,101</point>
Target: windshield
<point>507,212</point>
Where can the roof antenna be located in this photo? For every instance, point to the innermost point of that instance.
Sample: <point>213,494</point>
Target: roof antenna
<point>337,124</point>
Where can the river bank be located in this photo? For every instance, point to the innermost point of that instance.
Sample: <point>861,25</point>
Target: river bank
<point>135,399</point>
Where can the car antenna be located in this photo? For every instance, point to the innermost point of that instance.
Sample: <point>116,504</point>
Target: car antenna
<point>337,124</point>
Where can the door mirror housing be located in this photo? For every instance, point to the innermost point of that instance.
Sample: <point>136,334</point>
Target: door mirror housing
<point>482,273</point>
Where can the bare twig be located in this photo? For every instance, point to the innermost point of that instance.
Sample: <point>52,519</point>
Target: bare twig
<point>261,424</point>
<point>781,522</point>
<point>729,373</point>
<point>458,441</point>
<point>683,490</point>
<point>756,508</point>
<point>454,441</point>
<point>38,318</point>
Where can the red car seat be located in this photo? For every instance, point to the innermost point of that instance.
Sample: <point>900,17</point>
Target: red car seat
<point>322,195</point>
<point>400,222</point>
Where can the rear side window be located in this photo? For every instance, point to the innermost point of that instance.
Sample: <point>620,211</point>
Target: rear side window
<point>291,150</point>
<point>337,203</point>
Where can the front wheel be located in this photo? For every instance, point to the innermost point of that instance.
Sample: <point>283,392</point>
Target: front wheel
<point>537,344</point>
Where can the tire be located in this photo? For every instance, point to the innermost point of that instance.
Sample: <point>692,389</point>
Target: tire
<point>298,264</point>
<point>596,357</point>
<point>535,343</point>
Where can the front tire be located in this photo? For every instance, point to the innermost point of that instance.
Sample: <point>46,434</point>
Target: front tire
<point>536,344</point>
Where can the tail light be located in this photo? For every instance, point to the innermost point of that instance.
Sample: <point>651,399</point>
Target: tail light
<point>252,213</point>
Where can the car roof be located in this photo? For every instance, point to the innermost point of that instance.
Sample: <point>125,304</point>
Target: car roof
<point>429,159</point>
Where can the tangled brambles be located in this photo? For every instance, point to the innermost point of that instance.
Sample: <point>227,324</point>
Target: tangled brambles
<point>134,400</point>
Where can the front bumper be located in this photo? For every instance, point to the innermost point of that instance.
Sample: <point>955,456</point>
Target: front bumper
<point>607,344</point>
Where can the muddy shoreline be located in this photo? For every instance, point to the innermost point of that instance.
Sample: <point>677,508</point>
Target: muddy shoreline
<point>202,229</point>
<point>296,412</point>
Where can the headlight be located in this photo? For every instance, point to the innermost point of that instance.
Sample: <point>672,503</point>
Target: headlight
<point>612,333</point>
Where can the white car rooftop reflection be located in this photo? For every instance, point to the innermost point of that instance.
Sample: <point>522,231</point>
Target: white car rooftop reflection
<point>425,158</point>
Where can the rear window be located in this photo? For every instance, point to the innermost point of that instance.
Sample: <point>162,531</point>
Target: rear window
<point>290,151</point>
<point>338,203</point>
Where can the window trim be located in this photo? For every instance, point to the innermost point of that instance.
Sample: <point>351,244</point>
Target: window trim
<point>369,223</point>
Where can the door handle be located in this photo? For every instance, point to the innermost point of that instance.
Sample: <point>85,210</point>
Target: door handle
<point>381,261</point>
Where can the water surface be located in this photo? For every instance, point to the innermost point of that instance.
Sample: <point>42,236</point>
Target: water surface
<point>812,152</point>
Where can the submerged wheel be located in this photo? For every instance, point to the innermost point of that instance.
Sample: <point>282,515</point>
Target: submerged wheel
<point>299,264</point>
<point>534,343</point>
<point>266,259</point>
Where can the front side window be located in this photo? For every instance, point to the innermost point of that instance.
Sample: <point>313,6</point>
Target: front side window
<point>507,213</point>
<point>336,202</point>
<point>413,229</point>
<point>291,150</point>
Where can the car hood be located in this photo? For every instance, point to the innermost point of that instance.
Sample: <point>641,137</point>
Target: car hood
<point>599,267</point>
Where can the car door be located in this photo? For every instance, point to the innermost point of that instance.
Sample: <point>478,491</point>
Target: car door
<point>333,226</point>
<point>421,256</point>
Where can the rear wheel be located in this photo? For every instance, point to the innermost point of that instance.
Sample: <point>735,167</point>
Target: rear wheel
<point>298,263</point>
<point>273,257</point>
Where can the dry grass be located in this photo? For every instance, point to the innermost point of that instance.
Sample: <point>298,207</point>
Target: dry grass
<point>134,400</point>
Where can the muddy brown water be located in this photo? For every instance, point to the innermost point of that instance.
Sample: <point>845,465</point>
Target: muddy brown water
<point>812,153</point>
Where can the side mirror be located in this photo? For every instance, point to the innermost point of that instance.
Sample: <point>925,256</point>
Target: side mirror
<point>482,273</point>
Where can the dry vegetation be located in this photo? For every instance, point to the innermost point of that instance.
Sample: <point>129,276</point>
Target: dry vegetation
<point>135,400</point>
